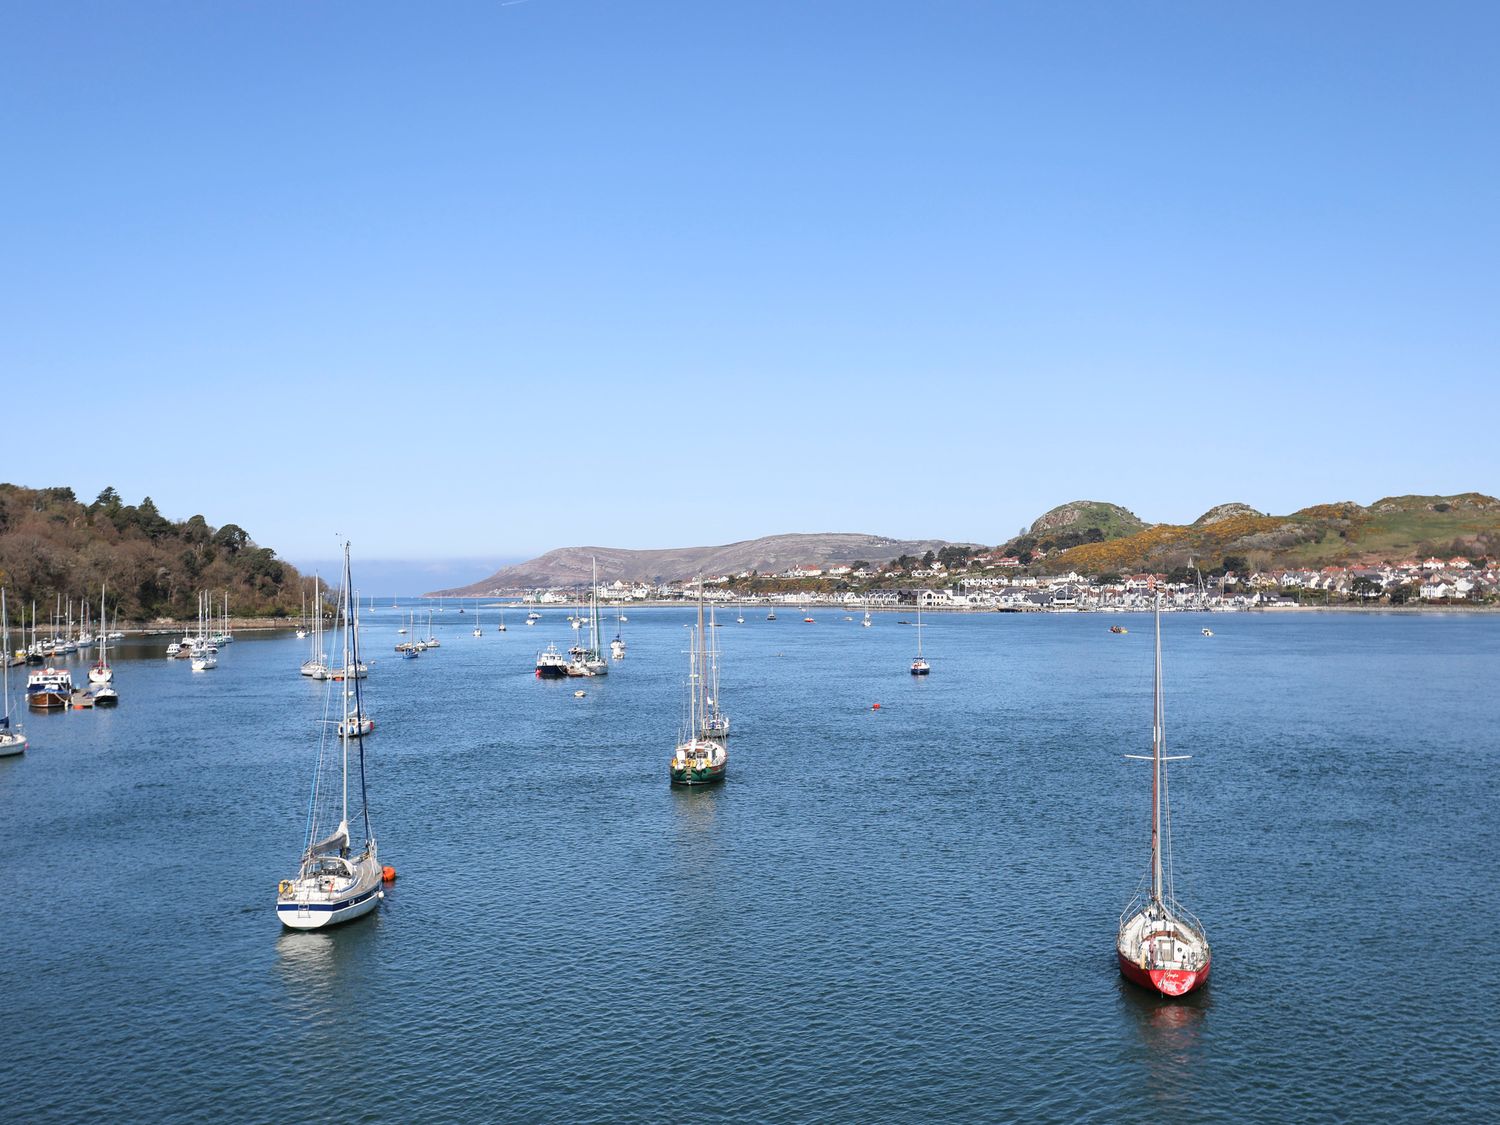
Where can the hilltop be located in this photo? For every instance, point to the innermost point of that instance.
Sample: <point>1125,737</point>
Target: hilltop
<point>772,554</point>
<point>1237,537</point>
<point>52,544</point>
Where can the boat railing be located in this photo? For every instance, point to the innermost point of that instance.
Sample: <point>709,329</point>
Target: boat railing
<point>1172,913</point>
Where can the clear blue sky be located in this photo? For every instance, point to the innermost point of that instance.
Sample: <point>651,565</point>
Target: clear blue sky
<point>480,279</point>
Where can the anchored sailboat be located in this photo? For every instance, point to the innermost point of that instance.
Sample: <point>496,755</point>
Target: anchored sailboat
<point>12,738</point>
<point>698,760</point>
<point>101,672</point>
<point>589,660</point>
<point>919,666</point>
<point>715,722</point>
<point>336,880</point>
<point>1160,945</point>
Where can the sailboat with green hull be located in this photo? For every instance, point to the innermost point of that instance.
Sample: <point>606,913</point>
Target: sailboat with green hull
<point>699,760</point>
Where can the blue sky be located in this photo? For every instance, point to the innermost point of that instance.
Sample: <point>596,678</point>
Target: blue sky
<point>475,280</point>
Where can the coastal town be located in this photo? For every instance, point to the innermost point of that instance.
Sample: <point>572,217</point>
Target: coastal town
<point>1000,583</point>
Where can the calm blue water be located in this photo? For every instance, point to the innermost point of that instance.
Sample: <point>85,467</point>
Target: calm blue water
<point>895,915</point>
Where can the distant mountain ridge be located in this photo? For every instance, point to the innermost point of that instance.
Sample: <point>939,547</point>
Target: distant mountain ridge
<point>771,554</point>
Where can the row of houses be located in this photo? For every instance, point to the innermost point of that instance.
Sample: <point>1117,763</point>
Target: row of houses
<point>1432,580</point>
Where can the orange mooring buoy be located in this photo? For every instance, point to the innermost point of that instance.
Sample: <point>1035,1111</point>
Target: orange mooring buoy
<point>388,874</point>
<point>874,707</point>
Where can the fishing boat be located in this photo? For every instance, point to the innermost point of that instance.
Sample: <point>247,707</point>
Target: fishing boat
<point>101,672</point>
<point>12,737</point>
<point>698,760</point>
<point>337,880</point>
<point>1160,945</point>
<point>49,689</point>
<point>551,664</point>
<point>919,666</point>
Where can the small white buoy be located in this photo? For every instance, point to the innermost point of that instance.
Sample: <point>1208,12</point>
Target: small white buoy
<point>579,694</point>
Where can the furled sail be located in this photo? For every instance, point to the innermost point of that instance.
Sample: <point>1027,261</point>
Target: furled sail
<point>331,845</point>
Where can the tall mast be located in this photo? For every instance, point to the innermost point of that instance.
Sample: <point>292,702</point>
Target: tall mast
<point>700,688</point>
<point>1157,734</point>
<point>5,653</point>
<point>344,689</point>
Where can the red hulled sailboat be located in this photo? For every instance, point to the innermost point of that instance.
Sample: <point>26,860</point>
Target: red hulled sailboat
<point>1160,945</point>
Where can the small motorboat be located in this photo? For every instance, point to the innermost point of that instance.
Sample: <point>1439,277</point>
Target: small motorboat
<point>1118,629</point>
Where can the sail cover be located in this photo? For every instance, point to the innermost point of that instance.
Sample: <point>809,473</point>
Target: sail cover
<point>331,845</point>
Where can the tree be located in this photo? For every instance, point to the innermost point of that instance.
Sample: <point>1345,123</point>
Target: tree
<point>232,537</point>
<point>108,501</point>
<point>928,558</point>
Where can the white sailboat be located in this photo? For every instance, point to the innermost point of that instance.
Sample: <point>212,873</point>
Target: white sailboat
<point>919,666</point>
<point>501,626</point>
<point>336,880</point>
<point>203,658</point>
<point>478,624</point>
<point>316,665</point>
<point>715,722</point>
<point>617,646</point>
<point>12,737</point>
<point>101,672</point>
<point>588,660</point>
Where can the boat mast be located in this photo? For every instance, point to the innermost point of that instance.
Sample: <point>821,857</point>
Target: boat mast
<point>5,650</point>
<point>1157,733</point>
<point>344,689</point>
<point>699,687</point>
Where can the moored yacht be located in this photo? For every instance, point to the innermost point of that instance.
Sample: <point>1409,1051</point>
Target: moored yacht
<point>337,879</point>
<point>1159,944</point>
<point>698,760</point>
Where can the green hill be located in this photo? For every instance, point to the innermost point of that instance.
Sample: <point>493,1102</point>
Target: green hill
<point>1342,533</point>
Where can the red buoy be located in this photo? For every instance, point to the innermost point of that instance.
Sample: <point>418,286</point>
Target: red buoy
<point>874,707</point>
<point>388,874</point>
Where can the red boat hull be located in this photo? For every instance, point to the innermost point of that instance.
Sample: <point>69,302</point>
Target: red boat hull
<point>1165,982</point>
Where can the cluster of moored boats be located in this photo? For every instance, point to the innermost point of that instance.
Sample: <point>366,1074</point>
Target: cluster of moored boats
<point>201,648</point>
<point>51,687</point>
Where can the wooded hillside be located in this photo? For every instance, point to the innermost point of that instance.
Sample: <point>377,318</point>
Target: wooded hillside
<point>52,544</point>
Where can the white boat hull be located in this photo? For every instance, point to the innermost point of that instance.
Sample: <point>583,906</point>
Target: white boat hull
<point>307,906</point>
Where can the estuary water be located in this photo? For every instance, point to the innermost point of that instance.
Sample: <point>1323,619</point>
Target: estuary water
<point>904,914</point>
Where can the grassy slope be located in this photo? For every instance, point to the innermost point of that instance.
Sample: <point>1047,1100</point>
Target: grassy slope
<point>1388,531</point>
